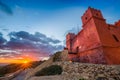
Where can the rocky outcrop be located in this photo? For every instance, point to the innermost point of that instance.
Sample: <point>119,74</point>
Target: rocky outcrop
<point>64,55</point>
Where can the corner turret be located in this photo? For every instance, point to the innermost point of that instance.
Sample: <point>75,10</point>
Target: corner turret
<point>69,38</point>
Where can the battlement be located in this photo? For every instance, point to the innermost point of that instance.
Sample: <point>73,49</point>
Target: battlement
<point>70,36</point>
<point>91,9</point>
<point>91,13</point>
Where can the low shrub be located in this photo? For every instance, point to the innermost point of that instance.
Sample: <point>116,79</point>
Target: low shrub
<point>1,75</point>
<point>81,79</point>
<point>57,56</point>
<point>51,70</point>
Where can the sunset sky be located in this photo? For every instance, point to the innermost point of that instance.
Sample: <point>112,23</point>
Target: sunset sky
<point>37,28</point>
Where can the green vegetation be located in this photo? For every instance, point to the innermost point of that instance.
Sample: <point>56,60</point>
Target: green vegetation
<point>1,75</point>
<point>81,79</point>
<point>51,70</point>
<point>57,56</point>
<point>0,69</point>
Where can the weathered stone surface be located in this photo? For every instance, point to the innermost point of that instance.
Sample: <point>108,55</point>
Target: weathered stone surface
<point>89,71</point>
<point>64,55</point>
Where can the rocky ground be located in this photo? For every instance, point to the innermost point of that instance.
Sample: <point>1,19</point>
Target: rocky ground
<point>83,71</point>
<point>77,71</point>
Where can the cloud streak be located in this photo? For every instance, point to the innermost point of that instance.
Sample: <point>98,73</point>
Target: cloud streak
<point>2,40</point>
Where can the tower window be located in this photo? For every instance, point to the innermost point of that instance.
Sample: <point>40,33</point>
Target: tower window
<point>77,49</point>
<point>115,38</point>
<point>86,18</point>
<point>96,14</point>
<point>109,28</point>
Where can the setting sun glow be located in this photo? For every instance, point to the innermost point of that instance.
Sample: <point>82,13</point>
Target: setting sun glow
<point>23,60</point>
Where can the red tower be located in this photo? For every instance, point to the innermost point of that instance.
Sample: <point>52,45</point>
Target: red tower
<point>97,42</point>
<point>69,38</point>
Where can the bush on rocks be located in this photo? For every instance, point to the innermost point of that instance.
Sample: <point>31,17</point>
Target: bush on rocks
<point>51,70</point>
<point>57,57</point>
<point>81,79</point>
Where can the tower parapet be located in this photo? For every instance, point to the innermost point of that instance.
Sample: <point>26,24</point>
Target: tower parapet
<point>90,13</point>
<point>69,38</point>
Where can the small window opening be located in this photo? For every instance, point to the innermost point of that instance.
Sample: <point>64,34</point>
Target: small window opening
<point>109,28</point>
<point>96,14</point>
<point>77,49</point>
<point>115,38</point>
<point>86,18</point>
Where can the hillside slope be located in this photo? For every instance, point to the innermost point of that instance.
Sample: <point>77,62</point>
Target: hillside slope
<point>77,71</point>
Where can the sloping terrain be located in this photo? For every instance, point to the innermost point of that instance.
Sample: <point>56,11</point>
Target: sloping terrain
<point>77,71</point>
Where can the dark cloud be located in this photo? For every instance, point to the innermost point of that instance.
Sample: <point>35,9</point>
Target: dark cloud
<point>2,40</point>
<point>5,8</point>
<point>46,39</point>
<point>37,37</point>
<point>6,30</point>
<point>36,43</point>
<point>19,44</point>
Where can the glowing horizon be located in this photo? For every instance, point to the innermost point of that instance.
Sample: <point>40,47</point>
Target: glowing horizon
<point>8,60</point>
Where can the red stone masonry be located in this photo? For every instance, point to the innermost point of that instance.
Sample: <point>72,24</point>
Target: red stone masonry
<point>98,42</point>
